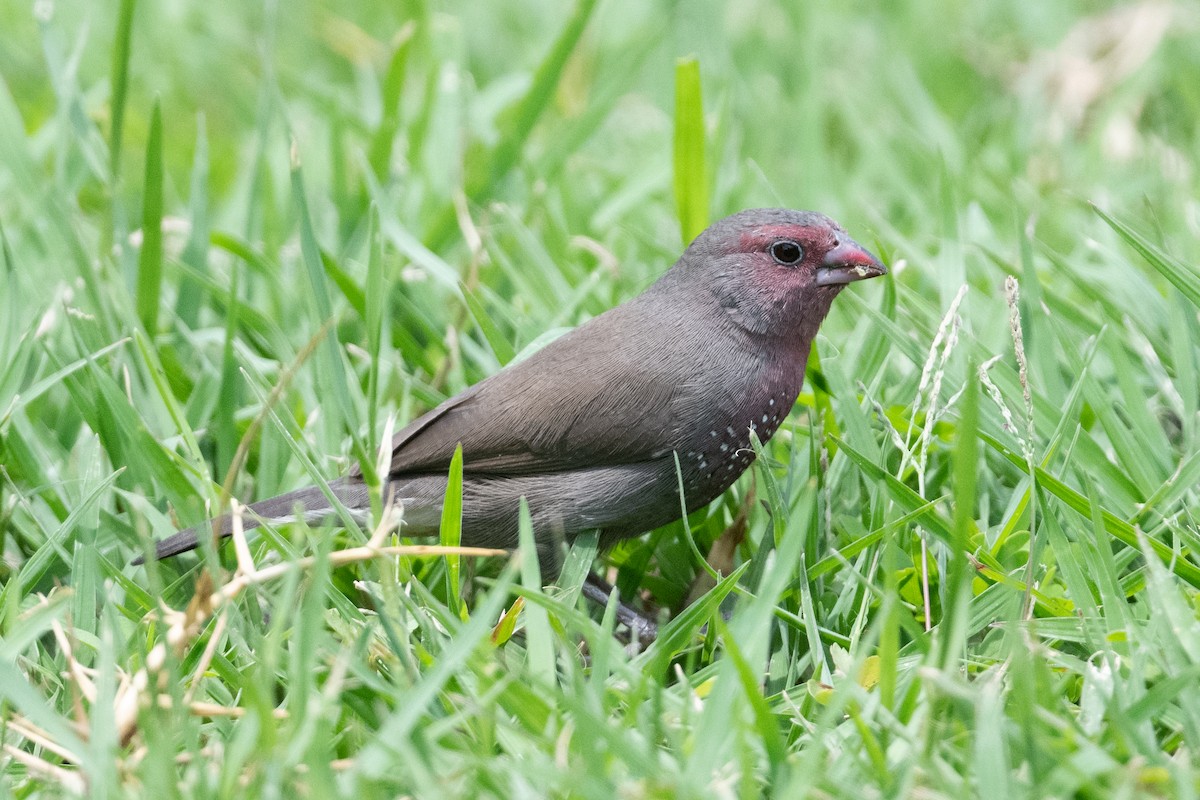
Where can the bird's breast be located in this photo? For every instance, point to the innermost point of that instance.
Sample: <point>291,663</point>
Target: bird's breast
<point>717,450</point>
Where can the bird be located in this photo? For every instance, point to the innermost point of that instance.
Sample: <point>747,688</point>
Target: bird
<point>601,428</point>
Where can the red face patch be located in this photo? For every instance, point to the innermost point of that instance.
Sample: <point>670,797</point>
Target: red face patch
<point>759,239</point>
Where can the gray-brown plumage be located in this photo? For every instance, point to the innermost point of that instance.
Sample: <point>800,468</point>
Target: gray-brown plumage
<point>588,427</point>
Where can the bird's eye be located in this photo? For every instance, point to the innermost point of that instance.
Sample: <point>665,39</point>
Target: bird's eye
<point>787,252</point>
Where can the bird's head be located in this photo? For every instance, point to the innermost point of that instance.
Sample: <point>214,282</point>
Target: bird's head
<point>776,271</point>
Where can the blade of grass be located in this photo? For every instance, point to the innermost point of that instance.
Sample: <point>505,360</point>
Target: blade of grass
<point>450,534</point>
<point>684,626</point>
<point>539,645</point>
<point>376,321</point>
<point>500,345</point>
<point>765,723</point>
<point>120,84</point>
<point>691,170</point>
<point>952,630</point>
<point>576,566</point>
<point>55,545</point>
<point>149,280</point>
<point>516,126</point>
<point>340,406</point>
<point>379,153</point>
<point>376,757</point>
<point>1115,526</point>
<point>904,496</point>
<point>1182,276</point>
<point>195,252</point>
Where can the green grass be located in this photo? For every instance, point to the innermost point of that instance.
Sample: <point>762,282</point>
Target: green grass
<point>243,242</point>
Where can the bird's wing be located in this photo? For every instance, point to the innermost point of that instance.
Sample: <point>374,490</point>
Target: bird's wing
<point>584,400</point>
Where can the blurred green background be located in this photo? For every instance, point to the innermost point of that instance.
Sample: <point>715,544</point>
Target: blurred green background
<point>366,207</point>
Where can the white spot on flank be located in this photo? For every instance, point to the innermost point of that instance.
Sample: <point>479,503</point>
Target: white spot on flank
<point>730,431</point>
<point>772,401</point>
<point>764,419</point>
<point>712,433</point>
<point>724,447</point>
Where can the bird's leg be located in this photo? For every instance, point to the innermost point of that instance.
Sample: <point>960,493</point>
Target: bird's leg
<point>642,629</point>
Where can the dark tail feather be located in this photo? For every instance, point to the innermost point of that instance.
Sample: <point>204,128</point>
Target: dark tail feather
<point>309,502</point>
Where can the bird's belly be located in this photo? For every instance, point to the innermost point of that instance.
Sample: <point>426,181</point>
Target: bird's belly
<point>619,500</point>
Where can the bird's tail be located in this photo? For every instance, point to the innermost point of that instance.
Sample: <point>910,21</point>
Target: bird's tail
<point>309,504</point>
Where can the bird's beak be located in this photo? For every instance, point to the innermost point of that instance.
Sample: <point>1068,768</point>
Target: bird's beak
<point>848,262</point>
